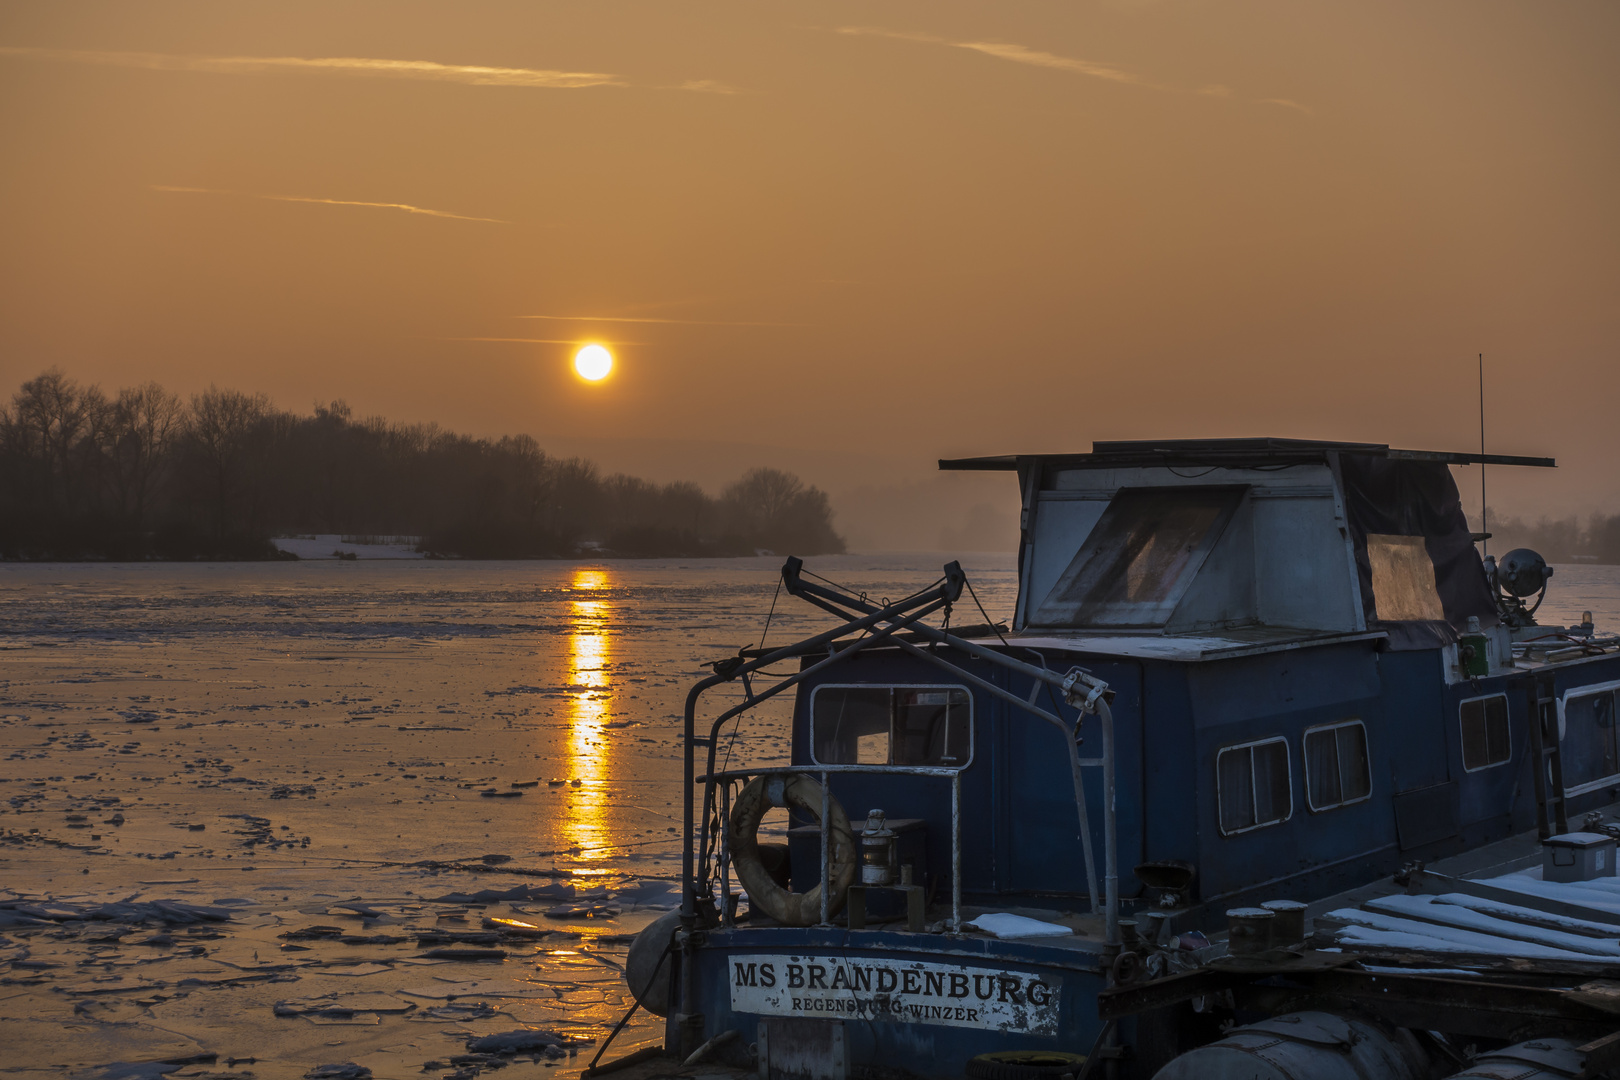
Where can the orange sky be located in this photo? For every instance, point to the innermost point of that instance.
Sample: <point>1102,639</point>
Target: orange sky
<point>914,229</point>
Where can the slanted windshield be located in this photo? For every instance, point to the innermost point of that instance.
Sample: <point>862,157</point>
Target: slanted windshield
<point>1139,560</point>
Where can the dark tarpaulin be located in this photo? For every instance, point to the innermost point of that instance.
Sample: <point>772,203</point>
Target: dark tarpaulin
<point>1416,498</point>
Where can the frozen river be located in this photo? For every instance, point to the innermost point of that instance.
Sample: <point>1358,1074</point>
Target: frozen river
<point>287,744</point>
<point>289,737</point>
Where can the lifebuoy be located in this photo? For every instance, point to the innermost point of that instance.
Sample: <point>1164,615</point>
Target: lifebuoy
<point>786,907</point>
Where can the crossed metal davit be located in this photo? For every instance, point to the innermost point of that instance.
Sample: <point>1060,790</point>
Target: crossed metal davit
<point>884,625</point>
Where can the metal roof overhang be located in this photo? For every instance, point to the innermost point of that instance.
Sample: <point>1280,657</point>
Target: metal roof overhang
<point>1232,453</point>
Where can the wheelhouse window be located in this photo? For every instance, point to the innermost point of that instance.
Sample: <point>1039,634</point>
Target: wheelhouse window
<point>1589,743</point>
<point>1254,785</point>
<point>1337,771</point>
<point>1403,583</point>
<point>1140,558</point>
<point>1485,732</point>
<point>891,725</point>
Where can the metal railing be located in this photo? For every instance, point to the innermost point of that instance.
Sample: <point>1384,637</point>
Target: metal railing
<point>725,778</point>
<point>884,624</point>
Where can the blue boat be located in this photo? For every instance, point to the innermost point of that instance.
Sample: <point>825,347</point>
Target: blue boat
<point>1240,673</point>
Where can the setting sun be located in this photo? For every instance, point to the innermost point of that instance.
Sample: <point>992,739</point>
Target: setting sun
<point>593,363</point>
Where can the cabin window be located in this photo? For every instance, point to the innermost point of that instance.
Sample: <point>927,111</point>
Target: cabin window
<point>1588,743</point>
<point>1485,732</point>
<point>1140,558</point>
<point>1254,785</point>
<point>1337,771</point>
<point>891,725</point>
<point>1403,582</point>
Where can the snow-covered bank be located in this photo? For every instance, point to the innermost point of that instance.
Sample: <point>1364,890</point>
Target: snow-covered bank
<point>334,546</point>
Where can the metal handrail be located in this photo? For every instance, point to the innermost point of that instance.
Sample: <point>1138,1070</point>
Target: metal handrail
<point>953,774</point>
<point>785,770</point>
<point>1079,689</point>
<point>751,699</point>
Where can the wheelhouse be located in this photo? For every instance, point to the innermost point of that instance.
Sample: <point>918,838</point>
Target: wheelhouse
<point>1236,670</point>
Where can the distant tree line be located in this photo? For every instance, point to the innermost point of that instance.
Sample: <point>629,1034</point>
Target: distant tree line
<point>143,473</point>
<point>1561,540</point>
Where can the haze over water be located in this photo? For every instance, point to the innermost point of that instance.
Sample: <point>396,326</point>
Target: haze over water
<point>396,691</point>
<point>476,673</point>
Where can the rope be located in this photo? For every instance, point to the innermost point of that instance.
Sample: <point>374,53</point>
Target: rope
<point>589,1069</point>
<point>1057,710</point>
<point>985,615</point>
<point>771,614</point>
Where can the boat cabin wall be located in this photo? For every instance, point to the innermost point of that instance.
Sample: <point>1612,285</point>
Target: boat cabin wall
<point>1020,826</point>
<point>1283,557</point>
<point>1321,769</point>
<point>1291,774</point>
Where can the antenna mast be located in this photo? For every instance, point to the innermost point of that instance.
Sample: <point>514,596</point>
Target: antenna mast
<point>1484,525</point>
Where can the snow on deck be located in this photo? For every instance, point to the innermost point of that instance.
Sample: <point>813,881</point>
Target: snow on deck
<point>1463,924</point>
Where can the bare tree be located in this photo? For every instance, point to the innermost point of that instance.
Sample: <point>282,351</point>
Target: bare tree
<point>52,416</point>
<point>143,474</point>
<point>220,430</point>
<point>139,435</point>
<point>774,509</point>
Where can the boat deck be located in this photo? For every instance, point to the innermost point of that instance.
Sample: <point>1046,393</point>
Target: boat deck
<point>1487,903</point>
<point>1478,946</point>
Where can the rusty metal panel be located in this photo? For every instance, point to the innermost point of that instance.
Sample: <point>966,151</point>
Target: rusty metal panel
<point>798,1049</point>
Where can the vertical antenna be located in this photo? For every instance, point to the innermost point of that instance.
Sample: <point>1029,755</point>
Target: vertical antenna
<point>1484,525</point>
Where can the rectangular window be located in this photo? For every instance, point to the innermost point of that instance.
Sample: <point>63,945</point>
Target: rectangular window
<point>1140,558</point>
<point>1485,732</point>
<point>1403,583</point>
<point>1254,785</point>
<point>1337,771</point>
<point>1589,738</point>
<point>891,725</point>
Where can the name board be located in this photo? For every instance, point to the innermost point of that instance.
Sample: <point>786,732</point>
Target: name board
<point>898,991</point>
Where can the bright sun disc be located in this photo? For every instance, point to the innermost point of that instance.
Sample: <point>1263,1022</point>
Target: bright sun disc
<point>593,363</point>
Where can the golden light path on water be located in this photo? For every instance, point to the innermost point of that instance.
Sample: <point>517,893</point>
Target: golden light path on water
<point>590,655</point>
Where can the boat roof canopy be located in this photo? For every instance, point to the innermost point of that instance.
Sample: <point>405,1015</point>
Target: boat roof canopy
<point>1229,453</point>
<point>1248,536</point>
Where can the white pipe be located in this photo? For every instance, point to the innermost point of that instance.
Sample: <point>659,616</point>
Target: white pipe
<point>1110,839</point>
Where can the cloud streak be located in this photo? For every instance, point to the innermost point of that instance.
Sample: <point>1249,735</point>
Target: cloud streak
<point>1287,104</point>
<point>543,341</point>
<point>406,207</point>
<point>1017,54</point>
<point>354,66</point>
<point>1020,54</point>
<point>645,319</point>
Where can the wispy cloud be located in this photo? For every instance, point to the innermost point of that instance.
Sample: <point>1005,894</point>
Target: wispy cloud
<point>1020,54</point>
<point>706,86</point>
<point>407,207</point>
<point>1285,103</point>
<point>359,66</point>
<point>543,341</point>
<point>646,319</point>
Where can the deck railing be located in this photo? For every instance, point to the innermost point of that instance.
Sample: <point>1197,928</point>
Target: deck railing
<point>898,624</point>
<point>883,625</point>
<point>724,779</point>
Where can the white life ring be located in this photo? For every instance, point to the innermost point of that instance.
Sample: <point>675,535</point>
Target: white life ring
<point>787,907</point>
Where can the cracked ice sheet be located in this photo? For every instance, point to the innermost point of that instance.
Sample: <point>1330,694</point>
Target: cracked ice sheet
<point>171,696</point>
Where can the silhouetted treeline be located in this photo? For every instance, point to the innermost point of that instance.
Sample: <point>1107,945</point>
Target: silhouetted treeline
<point>144,474</point>
<point>1561,540</point>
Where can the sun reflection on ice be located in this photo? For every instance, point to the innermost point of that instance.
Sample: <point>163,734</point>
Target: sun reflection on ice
<point>590,653</point>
